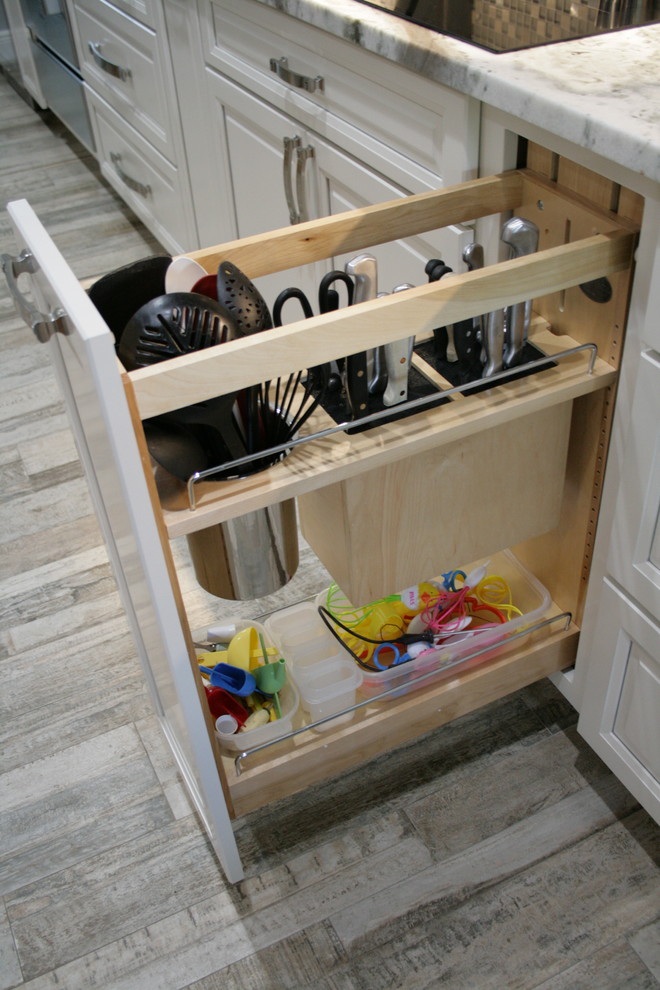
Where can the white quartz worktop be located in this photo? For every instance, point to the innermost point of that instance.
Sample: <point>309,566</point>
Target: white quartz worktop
<point>600,93</point>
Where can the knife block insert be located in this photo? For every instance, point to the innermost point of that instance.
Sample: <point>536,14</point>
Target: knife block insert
<point>455,373</point>
<point>335,404</point>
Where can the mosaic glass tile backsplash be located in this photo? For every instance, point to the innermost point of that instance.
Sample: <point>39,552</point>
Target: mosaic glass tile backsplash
<point>506,25</point>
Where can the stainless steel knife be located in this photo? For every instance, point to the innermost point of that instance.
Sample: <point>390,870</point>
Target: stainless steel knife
<point>522,236</point>
<point>398,356</point>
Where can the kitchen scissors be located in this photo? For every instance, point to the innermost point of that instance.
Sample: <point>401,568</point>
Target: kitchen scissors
<point>328,303</point>
<point>328,296</point>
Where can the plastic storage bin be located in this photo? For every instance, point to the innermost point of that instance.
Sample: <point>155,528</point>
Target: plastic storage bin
<point>528,594</point>
<point>301,635</point>
<point>328,687</point>
<point>239,741</point>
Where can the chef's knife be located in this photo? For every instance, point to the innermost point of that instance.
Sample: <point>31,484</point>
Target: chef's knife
<point>398,356</point>
<point>363,271</point>
<point>443,336</point>
<point>522,236</point>
<point>493,342</point>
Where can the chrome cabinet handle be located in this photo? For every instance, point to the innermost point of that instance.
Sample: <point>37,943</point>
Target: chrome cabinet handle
<point>138,187</point>
<point>118,71</point>
<point>290,144</point>
<point>43,325</point>
<point>280,66</point>
<point>302,157</point>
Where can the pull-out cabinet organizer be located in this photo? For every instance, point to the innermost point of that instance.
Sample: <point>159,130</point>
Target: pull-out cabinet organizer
<point>516,465</point>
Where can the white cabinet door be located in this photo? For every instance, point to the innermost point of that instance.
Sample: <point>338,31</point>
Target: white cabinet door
<point>620,715</point>
<point>88,374</point>
<point>251,194</point>
<point>634,555</point>
<point>346,184</point>
<point>314,178</point>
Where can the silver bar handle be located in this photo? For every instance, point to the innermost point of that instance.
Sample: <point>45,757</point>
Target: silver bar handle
<point>290,144</point>
<point>138,187</point>
<point>302,157</point>
<point>43,325</point>
<point>280,66</point>
<point>112,69</point>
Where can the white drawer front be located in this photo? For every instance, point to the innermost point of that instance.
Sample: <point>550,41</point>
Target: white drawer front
<point>634,557</point>
<point>433,126</point>
<point>152,186</point>
<point>121,61</point>
<point>142,10</point>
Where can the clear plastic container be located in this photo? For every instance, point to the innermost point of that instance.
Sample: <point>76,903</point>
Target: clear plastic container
<point>301,635</point>
<point>327,687</point>
<point>528,594</point>
<point>239,741</point>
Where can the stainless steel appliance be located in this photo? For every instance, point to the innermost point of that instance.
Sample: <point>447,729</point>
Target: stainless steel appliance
<point>57,65</point>
<point>510,25</point>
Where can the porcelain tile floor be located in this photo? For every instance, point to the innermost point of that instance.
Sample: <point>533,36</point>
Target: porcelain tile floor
<point>497,852</point>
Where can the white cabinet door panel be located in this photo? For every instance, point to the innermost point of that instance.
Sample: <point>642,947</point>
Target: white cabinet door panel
<point>88,375</point>
<point>620,715</point>
<point>345,184</point>
<point>634,555</point>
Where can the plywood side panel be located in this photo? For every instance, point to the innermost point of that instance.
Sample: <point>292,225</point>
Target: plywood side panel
<point>561,558</point>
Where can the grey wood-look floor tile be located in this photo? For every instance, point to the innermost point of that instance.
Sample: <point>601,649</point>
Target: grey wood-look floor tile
<point>39,456</point>
<point>109,896</point>
<point>194,943</point>
<point>492,860</point>
<point>299,961</point>
<point>27,401</point>
<point>476,802</point>
<point>10,967</point>
<point>481,739</point>
<point>165,768</point>
<point>67,807</point>
<point>34,513</point>
<point>31,551</point>
<point>523,931</point>
<point>48,679</point>
<point>646,943</point>
<point>615,967</point>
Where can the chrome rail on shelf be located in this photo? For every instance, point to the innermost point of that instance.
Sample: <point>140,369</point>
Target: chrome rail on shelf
<point>566,616</point>
<point>419,403</point>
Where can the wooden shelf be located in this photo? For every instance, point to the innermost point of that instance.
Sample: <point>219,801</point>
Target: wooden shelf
<point>342,456</point>
<point>294,764</point>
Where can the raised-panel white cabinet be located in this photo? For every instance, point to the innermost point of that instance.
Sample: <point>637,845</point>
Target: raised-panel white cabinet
<point>271,170</point>
<point>620,715</point>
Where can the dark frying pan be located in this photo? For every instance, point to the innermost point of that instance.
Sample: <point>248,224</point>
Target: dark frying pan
<point>120,293</point>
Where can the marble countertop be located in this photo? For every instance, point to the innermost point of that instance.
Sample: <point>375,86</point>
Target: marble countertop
<point>600,93</point>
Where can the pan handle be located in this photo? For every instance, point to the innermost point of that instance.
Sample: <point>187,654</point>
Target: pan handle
<point>43,325</point>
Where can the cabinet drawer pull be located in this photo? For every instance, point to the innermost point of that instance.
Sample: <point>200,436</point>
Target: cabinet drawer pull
<point>280,66</point>
<point>43,325</point>
<point>118,71</point>
<point>302,156</point>
<point>138,187</point>
<point>290,144</point>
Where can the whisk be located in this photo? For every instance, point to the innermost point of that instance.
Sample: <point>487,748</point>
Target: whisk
<point>294,400</point>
